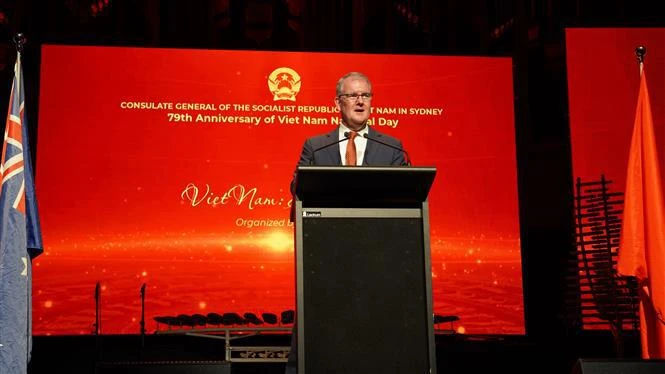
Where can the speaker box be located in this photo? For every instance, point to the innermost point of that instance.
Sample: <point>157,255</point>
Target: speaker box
<point>615,366</point>
<point>165,367</point>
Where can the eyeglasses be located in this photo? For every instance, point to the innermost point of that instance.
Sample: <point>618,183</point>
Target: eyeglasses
<point>366,96</point>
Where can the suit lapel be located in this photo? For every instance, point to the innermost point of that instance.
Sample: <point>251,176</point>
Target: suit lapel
<point>370,148</point>
<point>332,152</point>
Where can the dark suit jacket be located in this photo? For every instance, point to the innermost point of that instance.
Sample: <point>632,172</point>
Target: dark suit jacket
<point>376,154</point>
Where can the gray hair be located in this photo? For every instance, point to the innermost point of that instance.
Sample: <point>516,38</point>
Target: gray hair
<point>353,74</point>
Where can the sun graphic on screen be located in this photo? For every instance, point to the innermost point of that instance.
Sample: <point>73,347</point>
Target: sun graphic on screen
<point>277,241</point>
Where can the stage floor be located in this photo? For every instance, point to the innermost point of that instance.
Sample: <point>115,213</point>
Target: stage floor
<point>185,354</point>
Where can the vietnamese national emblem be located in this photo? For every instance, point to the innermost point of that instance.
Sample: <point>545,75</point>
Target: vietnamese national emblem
<point>284,83</point>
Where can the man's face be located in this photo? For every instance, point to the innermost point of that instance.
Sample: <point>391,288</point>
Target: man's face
<point>354,111</point>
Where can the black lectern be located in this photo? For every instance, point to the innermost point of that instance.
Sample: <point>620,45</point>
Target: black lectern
<point>363,272</point>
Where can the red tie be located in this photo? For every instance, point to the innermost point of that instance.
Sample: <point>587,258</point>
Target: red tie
<point>351,150</point>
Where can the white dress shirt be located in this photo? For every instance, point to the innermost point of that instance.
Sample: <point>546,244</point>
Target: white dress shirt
<point>361,143</point>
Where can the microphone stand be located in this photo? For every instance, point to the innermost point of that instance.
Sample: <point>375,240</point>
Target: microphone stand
<point>97,327</point>
<point>142,323</point>
<point>407,159</point>
<point>98,319</point>
<point>347,136</point>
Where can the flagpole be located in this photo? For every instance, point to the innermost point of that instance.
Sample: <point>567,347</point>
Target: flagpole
<point>20,236</point>
<point>642,246</point>
<point>640,52</point>
<point>20,40</point>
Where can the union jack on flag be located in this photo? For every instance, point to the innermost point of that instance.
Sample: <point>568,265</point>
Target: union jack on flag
<point>20,236</point>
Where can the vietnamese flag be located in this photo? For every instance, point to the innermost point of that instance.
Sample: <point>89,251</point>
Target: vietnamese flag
<point>642,247</point>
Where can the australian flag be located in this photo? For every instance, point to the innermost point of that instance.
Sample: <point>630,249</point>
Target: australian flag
<point>20,236</point>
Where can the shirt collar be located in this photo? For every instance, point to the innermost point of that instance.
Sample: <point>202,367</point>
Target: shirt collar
<point>343,129</point>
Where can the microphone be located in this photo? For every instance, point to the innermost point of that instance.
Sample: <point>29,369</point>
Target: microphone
<point>347,135</point>
<point>143,290</point>
<point>406,155</point>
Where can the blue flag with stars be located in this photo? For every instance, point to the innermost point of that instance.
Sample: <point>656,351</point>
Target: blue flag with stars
<point>20,236</point>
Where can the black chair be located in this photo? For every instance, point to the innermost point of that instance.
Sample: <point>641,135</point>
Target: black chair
<point>269,318</point>
<point>439,319</point>
<point>185,320</point>
<point>288,317</point>
<point>253,319</point>
<point>230,319</point>
<point>199,319</point>
<point>166,320</point>
<point>214,319</point>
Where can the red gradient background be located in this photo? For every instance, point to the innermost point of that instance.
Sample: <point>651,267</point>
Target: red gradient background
<point>110,182</point>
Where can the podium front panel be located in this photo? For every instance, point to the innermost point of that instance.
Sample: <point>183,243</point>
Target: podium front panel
<point>364,287</point>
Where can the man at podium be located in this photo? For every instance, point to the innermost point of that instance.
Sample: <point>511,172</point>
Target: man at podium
<point>352,143</point>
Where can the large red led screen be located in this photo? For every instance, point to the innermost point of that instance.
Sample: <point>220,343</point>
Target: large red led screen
<point>171,168</point>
